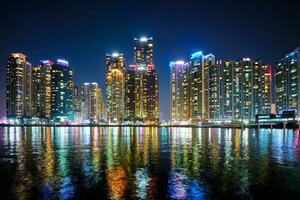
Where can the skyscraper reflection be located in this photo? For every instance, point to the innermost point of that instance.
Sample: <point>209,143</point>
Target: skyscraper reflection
<point>146,163</point>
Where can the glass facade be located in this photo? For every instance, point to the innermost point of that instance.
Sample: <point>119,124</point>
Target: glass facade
<point>18,87</point>
<point>91,102</point>
<point>141,97</point>
<point>287,76</point>
<point>220,91</point>
<point>180,90</point>
<point>115,87</point>
<point>62,92</point>
<point>41,90</point>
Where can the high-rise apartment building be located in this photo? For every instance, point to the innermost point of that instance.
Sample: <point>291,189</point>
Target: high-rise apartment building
<point>214,91</point>
<point>180,92</point>
<point>226,91</point>
<point>77,104</point>
<point>252,88</point>
<point>143,51</point>
<point>142,101</point>
<point>208,60</point>
<point>115,87</point>
<point>238,90</point>
<point>219,91</point>
<point>287,87</point>
<point>134,94</point>
<point>151,96</point>
<point>41,90</point>
<point>18,87</point>
<point>198,89</point>
<point>92,102</point>
<point>265,93</point>
<point>142,97</point>
<point>61,91</point>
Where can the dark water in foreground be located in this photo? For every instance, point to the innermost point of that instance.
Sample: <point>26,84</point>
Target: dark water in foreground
<point>148,163</point>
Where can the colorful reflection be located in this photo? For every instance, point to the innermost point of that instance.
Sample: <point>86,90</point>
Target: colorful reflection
<point>148,163</point>
<point>116,182</point>
<point>142,183</point>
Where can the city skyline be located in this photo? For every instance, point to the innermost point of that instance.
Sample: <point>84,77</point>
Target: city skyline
<point>65,37</point>
<point>203,90</point>
<point>152,99</point>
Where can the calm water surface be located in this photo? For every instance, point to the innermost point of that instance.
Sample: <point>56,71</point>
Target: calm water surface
<point>148,163</point>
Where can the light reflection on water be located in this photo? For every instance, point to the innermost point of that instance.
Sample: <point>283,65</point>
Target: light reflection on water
<point>148,163</point>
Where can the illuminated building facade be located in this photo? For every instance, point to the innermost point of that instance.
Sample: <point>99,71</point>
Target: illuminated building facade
<point>143,51</point>
<point>133,94</point>
<point>238,90</point>
<point>287,87</point>
<point>252,89</point>
<point>141,97</point>
<point>180,92</point>
<point>77,105</point>
<point>213,91</point>
<point>62,91</point>
<point>265,93</point>
<point>198,90</point>
<point>208,61</point>
<point>41,90</point>
<point>151,96</point>
<point>226,91</point>
<point>219,91</point>
<point>18,87</point>
<point>91,101</point>
<point>115,87</point>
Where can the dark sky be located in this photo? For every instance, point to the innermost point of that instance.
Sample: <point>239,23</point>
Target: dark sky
<point>83,31</point>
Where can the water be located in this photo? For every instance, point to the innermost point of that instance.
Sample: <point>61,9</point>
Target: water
<point>148,163</point>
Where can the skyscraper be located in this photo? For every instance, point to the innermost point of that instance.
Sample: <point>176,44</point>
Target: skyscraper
<point>133,94</point>
<point>219,88</point>
<point>77,105</point>
<point>265,92</point>
<point>208,61</point>
<point>92,102</point>
<point>151,96</point>
<point>287,87</point>
<point>213,91</point>
<point>180,92</point>
<point>198,89</point>
<point>61,91</point>
<point>252,88</point>
<point>238,90</point>
<point>115,87</point>
<point>141,97</point>
<point>226,90</point>
<point>18,87</point>
<point>143,51</point>
<point>219,91</point>
<point>41,90</point>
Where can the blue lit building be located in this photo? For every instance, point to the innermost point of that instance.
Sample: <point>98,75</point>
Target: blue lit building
<point>287,78</point>
<point>219,92</point>
<point>180,92</point>
<point>198,89</point>
<point>62,91</point>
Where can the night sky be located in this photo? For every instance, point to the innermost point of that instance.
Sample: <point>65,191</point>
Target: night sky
<point>83,31</point>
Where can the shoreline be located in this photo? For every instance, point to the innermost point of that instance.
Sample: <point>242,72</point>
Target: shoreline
<point>234,126</point>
